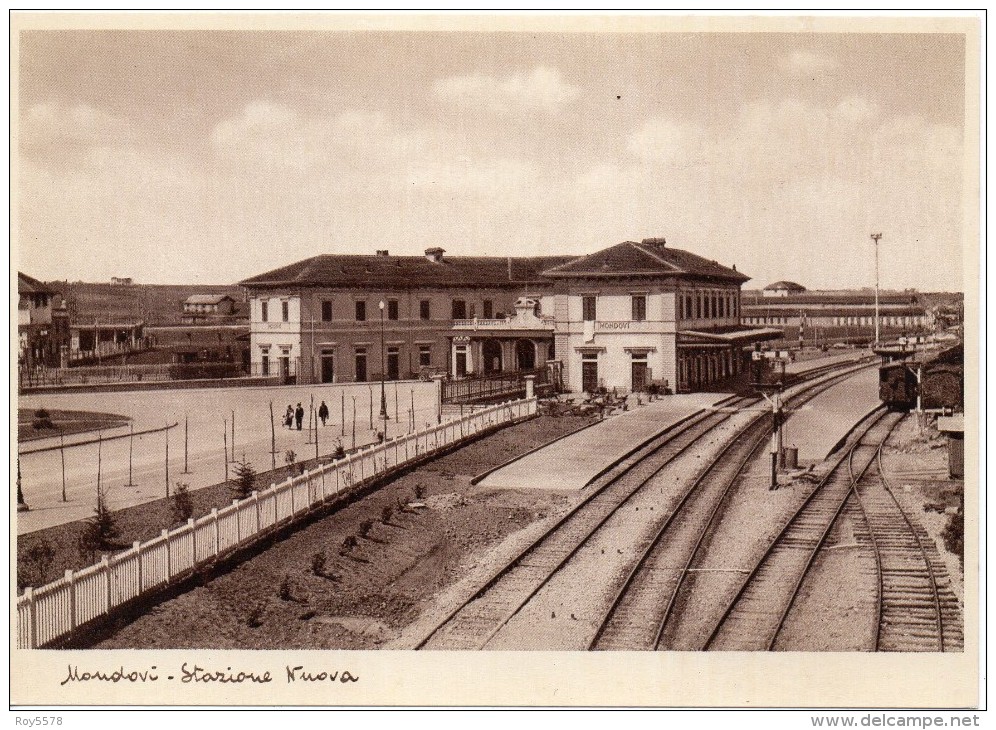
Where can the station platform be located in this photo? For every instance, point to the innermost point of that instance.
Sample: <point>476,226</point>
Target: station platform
<point>817,427</point>
<point>571,462</point>
<point>842,358</point>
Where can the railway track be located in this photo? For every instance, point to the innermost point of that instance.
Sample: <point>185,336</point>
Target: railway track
<point>757,612</point>
<point>916,609</point>
<point>474,623</point>
<point>638,615</point>
<point>477,621</point>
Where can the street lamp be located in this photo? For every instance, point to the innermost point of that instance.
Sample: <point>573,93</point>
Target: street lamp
<point>875,237</point>
<point>383,393</point>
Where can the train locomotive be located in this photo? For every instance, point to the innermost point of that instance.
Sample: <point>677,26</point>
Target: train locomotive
<point>942,386</point>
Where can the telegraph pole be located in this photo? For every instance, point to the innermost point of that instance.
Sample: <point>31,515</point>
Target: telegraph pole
<point>875,237</point>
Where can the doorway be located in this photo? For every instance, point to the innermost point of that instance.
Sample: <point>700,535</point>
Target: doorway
<point>491,354</point>
<point>525,355</point>
<point>589,375</point>
<point>328,367</point>
<point>639,375</point>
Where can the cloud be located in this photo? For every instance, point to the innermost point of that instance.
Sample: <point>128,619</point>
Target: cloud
<point>665,141</point>
<point>278,137</point>
<point>542,89</point>
<point>57,130</point>
<point>806,63</point>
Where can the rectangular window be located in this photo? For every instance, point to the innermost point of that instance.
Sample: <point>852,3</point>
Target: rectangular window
<point>264,365</point>
<point>361,364</point>
<point>639,307</point>
<point>459,309</point>
<point>424,356</point>
<point>264,311</point>
<point>285,311</point>
<point>424,312</point>
<point>361,311</point>
<point>588,308</point>
<point>326,311</point>
<point>681,307</point>
<point>392,308</point>
<point>488,309</point>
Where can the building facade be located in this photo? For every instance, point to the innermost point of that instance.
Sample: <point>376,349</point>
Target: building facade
<point>321,320</point>
<point>624,317</point>
<point>42,324</point>
<point>826,317</point>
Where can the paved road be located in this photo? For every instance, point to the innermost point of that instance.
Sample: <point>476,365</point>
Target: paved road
<point>208,413</point>
<point>571,462</point>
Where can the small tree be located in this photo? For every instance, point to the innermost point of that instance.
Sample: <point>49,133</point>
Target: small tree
<point>386,513</point>
<point>290,457</point>
<point>182,505</point>
<point>245,479</point>
<point>365,527</point>
<point>340,452</point>
<point>99,530</point>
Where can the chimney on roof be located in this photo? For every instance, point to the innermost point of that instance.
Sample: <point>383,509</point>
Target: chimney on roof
<point>382,252</point>
<point>655,241</point>
<point>435,255</point>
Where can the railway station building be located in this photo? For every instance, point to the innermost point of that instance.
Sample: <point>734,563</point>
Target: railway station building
<point>624,317</point>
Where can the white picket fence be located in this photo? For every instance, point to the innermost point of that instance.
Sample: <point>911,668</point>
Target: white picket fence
<point>50,612</point>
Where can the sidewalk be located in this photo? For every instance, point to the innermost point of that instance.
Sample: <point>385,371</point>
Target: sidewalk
<point>570,463</point>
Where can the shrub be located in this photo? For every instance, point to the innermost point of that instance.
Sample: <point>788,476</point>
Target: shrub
<point>290,457</point>
<point>318,564</point>
<point>386,513</point>
<point>340,452</point>
<point>348,545</point>
<point>284,591</point>
<point>99,530</point>
<point>419,491</point>
<point>33,568</point>
<point>181,505</point>
<point>255,618</point>
<point>245,479</point>
<point>953,533</point>
<point>365,527</point>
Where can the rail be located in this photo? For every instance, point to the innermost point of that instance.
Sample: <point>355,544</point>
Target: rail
<point>53,612</point>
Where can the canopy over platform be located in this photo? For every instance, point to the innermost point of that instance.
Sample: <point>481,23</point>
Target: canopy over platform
<point>739,336</point>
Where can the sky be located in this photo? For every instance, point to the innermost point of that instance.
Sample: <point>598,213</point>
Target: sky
<point>209,156</point>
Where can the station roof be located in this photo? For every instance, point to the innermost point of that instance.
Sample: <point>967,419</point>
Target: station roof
<point>737,336</point>
<point>400,272</point>
<point>651,257</point>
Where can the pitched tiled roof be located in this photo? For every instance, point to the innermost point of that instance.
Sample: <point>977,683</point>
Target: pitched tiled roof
<point>207,298</point>
<point>790,285</point>
<point>29,285</point>
<point>399,272</point>
<point>650,257</point>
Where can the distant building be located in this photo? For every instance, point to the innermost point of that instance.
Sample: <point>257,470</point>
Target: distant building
<point>783,289</point>
<point>829,316</point>
<point>42,324</point>
<point>121,281</point>
<point>619,318</point>
<point>201,307</point>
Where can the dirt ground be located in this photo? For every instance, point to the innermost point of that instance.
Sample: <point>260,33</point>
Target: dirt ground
<point>311,592</point>
<point>32,428</point>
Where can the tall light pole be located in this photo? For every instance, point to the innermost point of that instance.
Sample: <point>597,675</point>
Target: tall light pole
<point>875,237</point>
<point>383,393</point>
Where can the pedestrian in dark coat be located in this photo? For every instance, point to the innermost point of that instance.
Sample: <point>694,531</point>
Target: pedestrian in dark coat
<point>289,417</point>
<point>299,416</point>
<point>323,412</point>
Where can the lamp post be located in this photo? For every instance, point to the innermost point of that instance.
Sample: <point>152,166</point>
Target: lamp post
<point>875,237</point>
<point>383,393</point>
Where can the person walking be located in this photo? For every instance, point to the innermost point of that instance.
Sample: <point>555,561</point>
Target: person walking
<point>299,416</point>
<point>289,417</point>
<point>323,412</point>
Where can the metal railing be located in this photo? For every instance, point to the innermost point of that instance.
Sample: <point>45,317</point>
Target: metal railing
<point>50,613</point>
<point>493,385</point>
<point>102,374</point>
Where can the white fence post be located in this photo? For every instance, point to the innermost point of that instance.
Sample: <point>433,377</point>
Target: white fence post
<point>105,564</point>
<point>29,597</point>
<point>238,521</point>
<point>71,583</point>
<point>216,533</point>
<point>169,558</point>
<point>137,549</point>
<point>255,501</point>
